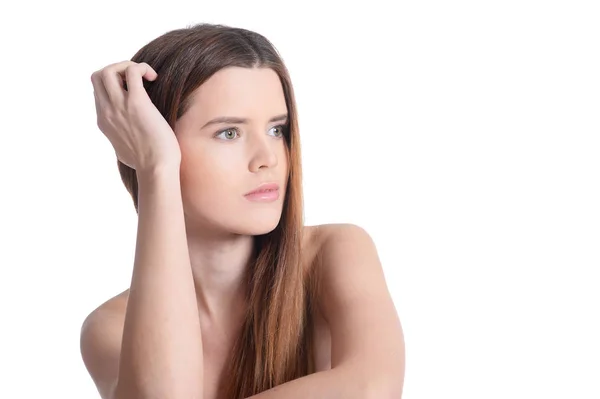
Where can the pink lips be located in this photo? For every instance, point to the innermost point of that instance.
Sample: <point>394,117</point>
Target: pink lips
<point>264,193</point>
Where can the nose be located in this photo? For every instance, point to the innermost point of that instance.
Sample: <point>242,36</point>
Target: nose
<point>263,153</point>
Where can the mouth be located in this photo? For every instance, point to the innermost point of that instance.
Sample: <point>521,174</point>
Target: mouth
<point>264,193</point>
<point>264,188</point>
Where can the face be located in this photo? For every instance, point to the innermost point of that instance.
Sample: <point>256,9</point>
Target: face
<point>222,161</point>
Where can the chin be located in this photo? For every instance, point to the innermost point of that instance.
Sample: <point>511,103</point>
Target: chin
<point>235,219</point>
<point>255,225</point>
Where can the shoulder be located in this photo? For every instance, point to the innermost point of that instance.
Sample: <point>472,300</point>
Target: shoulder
<point>112,310</point>
<point>100,341</point>
<point>333,229</point>
<point>324,238</point>
<point>348,274</point>
<point>332,248</point>
<point>325,231</point>
<point>346,254</point>
<point>313,239</point>
<point>355,300</point>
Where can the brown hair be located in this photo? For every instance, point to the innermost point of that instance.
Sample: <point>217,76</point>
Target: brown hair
<point>275,344</point>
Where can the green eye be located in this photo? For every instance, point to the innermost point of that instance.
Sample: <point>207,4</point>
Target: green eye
<point>227,136</point>
<point>281,130</point>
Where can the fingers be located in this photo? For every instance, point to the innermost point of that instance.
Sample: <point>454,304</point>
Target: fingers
<point>100,94</point>
<point>109,85</point>
<point>134,74</point>
<point>114,86</point>
<point>114,80</point>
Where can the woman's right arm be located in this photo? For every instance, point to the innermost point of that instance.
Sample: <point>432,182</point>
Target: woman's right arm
<point>159,353</point>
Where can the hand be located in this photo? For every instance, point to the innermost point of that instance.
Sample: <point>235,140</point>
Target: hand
<point>140,135</point>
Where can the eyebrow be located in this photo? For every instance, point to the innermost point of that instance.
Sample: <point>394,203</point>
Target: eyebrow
<point>233,119</point>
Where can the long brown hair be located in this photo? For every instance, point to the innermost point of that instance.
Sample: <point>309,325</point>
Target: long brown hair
<point>275,343</point>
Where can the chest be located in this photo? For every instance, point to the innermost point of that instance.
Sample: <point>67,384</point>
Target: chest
<point>215,351</point>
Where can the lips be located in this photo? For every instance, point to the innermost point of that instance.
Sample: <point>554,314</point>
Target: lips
<point>264,188</point>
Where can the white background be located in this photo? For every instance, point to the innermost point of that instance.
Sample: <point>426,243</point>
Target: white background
<point>463,135</point>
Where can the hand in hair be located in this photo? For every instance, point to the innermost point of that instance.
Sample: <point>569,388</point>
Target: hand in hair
<point>140,135</point>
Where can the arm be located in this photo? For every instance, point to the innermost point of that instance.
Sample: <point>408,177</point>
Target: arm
<point>366,333</point>
<point>160,354</point>
<point>367,342</point>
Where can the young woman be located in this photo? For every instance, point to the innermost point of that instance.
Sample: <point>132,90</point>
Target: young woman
<point>231,295</point>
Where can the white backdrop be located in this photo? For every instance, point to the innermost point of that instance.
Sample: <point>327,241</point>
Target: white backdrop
<point>464,136</point>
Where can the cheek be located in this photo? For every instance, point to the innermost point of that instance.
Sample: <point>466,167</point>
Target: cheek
<point>207,176</point>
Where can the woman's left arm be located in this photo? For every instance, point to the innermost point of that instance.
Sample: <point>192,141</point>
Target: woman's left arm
<point>367,342</point>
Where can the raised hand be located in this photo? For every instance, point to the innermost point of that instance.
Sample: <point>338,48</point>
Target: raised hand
<point>141,137</point>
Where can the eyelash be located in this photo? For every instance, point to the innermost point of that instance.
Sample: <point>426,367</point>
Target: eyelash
<point>282,127</point>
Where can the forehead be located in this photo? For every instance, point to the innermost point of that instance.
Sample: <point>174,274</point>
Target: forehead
<point>235,91</point>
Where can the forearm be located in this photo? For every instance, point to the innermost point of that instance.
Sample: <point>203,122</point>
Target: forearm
<point>342,383</point>
<point>161,354</point>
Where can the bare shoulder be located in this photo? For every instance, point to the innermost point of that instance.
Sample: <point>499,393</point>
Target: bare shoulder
<point>100,342</point>
<point>356,303</point>
<point>312,243</point>
<point>325,242</point>
<point>317,233</point>
<point>316,237</point>
<point>345,253</point>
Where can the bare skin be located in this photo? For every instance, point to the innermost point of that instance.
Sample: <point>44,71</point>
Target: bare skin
<point>167,334</point>
<point>195,222</point>
<point>218,338</point>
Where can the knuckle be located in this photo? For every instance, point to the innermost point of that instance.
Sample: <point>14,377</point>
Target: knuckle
<point>96,76</point>
<point>130,68</point>
<point>105,73</point>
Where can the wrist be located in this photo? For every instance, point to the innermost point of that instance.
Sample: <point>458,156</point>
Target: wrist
<point>157,173</point>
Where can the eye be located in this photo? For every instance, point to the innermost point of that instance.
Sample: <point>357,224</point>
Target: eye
<point>228,136</point>
<point>282,130</point>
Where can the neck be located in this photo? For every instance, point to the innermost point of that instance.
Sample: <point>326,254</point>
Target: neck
<point>219,265</point>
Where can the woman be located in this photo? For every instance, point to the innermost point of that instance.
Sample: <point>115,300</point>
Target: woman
<point>231,295</point>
